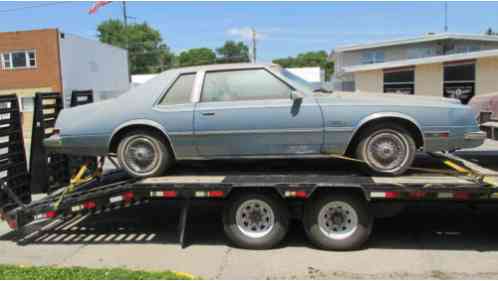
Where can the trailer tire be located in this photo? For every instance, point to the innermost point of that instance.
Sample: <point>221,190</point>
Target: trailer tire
<point>338,222</point>
<point>256,221</point>
<point>151,145</point>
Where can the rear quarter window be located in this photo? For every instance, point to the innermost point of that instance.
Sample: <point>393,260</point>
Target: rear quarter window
<point>180,91</point>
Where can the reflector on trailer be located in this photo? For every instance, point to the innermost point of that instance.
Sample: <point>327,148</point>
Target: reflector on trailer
<point>211,193</point>
<point>165,194</point>
<point>200,194</point>
<point>12,224</point>
<point>46,215</point>
<point>418,194</point>
<point>387,194</point>
<point>445,195</point>
<point>298,194</point>
<point>215,193</point>
<point>127,196</point>
<point>461,195</point>
<point>89,205</point>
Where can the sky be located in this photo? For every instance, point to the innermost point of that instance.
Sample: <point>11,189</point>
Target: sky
<point>284,28</point>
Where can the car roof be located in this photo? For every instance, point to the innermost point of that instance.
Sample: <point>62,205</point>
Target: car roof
<point>226,66</point>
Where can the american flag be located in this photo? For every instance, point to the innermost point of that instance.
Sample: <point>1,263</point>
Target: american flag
<point>97,5</point>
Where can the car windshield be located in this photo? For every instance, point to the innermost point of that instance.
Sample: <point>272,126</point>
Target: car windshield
<point>298,80</point>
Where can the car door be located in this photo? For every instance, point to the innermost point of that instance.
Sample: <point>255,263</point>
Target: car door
<point>249,112</point>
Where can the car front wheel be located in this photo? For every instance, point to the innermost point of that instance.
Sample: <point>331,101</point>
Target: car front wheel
<point>144,154</point>
<point>387,149</point>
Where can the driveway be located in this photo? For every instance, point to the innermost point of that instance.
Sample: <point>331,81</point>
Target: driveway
<point>433,241</point>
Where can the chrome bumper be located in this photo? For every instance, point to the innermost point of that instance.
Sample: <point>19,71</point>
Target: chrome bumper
<point>53,143</point>
<point>475,136</point>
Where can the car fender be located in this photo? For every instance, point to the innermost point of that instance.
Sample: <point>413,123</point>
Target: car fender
<point>145,122</point>
<point>380,115</point>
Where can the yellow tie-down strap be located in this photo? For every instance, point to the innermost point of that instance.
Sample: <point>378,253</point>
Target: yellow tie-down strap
<point>78,179</point>
<point>459,169</point>
<point>490,180</point>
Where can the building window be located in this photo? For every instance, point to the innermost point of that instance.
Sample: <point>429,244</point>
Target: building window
<point>421,52</point>
<point>400,81</point>
<point>18,59</point>
<point>372,57</point>
<point>464,49</point>
<point>459,80</point>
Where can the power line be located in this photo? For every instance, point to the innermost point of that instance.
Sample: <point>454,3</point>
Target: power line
<point>32,7</point>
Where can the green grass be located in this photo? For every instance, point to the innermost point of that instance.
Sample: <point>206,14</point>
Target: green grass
<point>58,273</point>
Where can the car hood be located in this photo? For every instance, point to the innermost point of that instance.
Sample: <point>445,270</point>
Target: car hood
<point>388,99</point>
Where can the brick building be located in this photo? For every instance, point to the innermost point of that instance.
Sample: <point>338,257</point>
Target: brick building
<point>48,60</point>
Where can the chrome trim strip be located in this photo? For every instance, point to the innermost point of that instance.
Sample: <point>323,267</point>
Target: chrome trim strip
<point>271,103</point>
<point>475,135</point>
<point>339,129</point>
<point>141,122</point>
<point>258,131</point>
<point>197,89</point>
<point>280,156</point>
<point>379,115</point>
<point>429,134</point>
<point>189,133</point>
<point>173,108</point>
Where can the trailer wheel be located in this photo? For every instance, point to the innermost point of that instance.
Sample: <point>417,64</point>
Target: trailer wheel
<point>338,222</point>
<point>256,221</point>
<point>144,154</point>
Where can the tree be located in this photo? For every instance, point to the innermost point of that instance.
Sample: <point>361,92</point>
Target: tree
<point>309,59</point>
<point>197,56</point>
<point>147,52</point>
<point>232,52</point>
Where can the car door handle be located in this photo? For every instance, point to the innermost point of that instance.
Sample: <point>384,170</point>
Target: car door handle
<point>207,113</point>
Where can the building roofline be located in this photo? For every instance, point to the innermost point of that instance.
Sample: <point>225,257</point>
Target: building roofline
<point>29,30</point>
<point>418,39</point>
<point>428,60</point>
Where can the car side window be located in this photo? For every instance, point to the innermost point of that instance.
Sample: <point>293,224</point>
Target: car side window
<point>180,91</point>
<point>241,85</point>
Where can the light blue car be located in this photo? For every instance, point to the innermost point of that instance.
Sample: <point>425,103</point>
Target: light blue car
<point>239,111</point>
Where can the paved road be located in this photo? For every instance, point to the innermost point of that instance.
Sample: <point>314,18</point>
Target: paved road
<point>435,241</point>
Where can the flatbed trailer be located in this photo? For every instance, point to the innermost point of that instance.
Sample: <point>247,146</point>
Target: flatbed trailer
<point>285,191</point>
<point>336,204</point>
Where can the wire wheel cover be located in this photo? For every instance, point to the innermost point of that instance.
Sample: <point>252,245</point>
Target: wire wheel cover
<point>387,151</point>
<point>142,154</point>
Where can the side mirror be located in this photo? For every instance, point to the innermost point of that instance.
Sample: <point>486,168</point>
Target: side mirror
<point>295,95</point>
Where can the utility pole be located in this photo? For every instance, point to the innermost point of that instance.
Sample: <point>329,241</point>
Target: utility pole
<point>125,17</point>
<point>253,45</point>
<point>125,23</point>
<point>445,16</point>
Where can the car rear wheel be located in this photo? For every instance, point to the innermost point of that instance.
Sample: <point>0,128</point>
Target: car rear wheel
<point>387,149</point>
<point>144,154</point>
